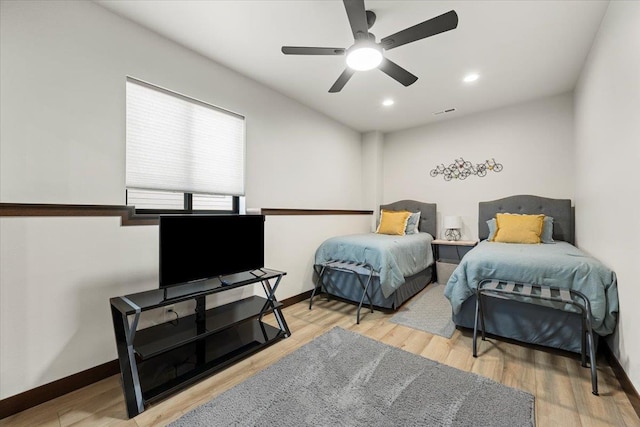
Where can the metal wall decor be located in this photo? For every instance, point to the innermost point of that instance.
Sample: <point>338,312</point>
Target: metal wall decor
<point>461,169</point>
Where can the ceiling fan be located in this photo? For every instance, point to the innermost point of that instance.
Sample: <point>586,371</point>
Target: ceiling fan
<point>366,54</point>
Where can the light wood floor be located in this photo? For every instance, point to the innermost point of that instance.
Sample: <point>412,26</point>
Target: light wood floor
<point>562,388</point>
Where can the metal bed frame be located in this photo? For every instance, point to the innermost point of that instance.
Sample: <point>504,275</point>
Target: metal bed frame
<point>514,290</point>
<point>363,271</point>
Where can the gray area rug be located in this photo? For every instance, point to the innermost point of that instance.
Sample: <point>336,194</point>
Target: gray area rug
<point>345,379</point>
<point>431,312</point>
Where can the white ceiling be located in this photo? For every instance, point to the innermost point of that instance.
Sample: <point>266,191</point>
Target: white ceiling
<point>522,50</point>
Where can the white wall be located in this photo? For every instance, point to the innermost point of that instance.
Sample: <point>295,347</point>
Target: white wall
<point>372,151</point>
<point>533,142</point>
<point>608,166</point>
<point>286,240</point>
<point>63,68</point>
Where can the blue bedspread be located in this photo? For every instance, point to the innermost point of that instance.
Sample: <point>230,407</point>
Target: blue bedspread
<point>392,257</point>
<point>560,264</point>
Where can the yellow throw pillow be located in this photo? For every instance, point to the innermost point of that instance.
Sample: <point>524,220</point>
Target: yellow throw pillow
<point>514,228</point>
<point>393,222</point>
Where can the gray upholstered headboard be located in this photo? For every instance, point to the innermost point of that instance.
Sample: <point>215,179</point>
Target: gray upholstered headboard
<point>427,213</point>
<point>559,209</point>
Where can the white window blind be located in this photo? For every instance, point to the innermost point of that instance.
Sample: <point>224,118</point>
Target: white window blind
<point>175,143</point>
<point>212,203</point>
<point>161,200</point>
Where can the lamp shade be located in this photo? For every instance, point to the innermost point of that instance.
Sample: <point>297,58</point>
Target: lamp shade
<point>452,222</point>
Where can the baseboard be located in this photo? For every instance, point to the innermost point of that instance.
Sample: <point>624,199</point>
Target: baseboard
<point>621,375</point>
<point>296,298</point>
<point>34,397</point>
<point>30,398</point>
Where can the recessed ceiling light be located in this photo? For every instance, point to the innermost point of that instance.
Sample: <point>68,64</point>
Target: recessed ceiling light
<point>470,78</point>
<point>388,102</point>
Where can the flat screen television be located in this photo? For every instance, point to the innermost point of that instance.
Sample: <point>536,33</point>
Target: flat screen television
<point>199,247</point>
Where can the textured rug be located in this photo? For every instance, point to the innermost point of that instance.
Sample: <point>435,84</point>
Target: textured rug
<point>342,378</point>
<point>431,312</point>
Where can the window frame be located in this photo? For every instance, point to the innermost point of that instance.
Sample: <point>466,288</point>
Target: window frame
<point>188,207</point>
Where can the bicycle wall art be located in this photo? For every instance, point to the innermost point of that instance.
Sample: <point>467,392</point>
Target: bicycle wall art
<point>462,169</point>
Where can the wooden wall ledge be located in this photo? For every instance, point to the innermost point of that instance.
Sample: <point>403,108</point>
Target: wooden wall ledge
<point>278,211</point>
<point>128,215</point>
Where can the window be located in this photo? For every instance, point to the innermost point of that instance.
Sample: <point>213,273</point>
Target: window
<point>148,201</point>
<point>183,155</point>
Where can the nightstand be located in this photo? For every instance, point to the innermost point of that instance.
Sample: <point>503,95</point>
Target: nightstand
<point>448,254</point>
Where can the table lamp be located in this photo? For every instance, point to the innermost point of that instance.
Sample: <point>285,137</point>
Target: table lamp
<point>452,226</point>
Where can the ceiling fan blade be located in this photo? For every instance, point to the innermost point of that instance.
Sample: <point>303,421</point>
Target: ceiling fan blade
<point>342,80</point>
<point>395,71</point>
<point>357,18</point>
<point>305,50</point>
<point>439,24</point>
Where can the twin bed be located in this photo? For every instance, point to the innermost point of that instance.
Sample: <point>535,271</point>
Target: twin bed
<point>557,263</point>
<point>403,267</point>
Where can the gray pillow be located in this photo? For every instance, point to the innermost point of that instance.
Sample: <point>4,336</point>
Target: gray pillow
<point>412,223</point>
<point>547,230</point>
<point>491,223</point>
<point>545,237</point>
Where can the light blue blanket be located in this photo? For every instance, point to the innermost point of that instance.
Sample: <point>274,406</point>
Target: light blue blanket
<point>392,257</point>
<point>560,264</point>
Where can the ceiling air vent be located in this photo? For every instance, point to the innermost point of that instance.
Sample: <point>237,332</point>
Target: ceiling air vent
<point>447,111</point>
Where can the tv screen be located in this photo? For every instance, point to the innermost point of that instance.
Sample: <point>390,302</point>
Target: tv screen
<point>197,247</point>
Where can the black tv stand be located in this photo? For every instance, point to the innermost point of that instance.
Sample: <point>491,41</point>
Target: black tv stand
<point>172,293</point>
<point>258,272</point>
<point>161,359</point>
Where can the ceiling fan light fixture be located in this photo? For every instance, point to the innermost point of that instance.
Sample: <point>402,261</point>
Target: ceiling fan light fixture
<point>364,56</point>
<point>471,78</point>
